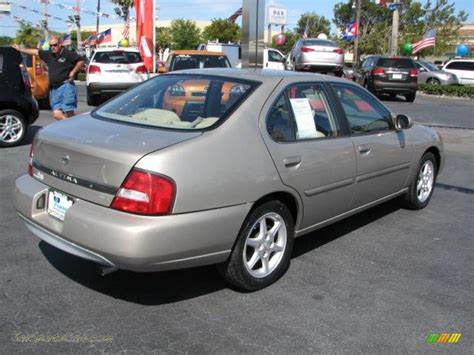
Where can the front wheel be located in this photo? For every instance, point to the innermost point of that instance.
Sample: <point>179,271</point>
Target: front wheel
<point>422,183</point>
<point>263,249</point>
<point>12,128</point>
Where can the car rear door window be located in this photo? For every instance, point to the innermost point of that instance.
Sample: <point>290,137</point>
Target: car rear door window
<point>461,66</point>
<point>301,112</point>
<point>364,114</point>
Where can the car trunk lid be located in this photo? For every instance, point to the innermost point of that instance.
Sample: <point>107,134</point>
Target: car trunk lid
<point>89,158</point>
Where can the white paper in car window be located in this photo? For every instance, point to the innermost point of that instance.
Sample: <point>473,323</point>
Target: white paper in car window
<point>304,118</point>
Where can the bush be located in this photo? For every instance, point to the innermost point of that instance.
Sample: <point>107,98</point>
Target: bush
<point>447,90</point>
<point>81,76</point>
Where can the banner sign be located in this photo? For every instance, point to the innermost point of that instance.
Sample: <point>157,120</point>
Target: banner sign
<point>145,13</point>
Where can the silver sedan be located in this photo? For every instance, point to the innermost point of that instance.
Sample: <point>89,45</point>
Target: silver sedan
<point>431,74</point>
<point>220,166</point>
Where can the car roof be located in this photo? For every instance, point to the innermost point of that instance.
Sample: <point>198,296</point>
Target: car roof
<point>259,74</point>
<point>197,52</point>
<point>114,49</point>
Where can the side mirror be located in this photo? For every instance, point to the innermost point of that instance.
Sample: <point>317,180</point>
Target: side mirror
<point>403,122</point>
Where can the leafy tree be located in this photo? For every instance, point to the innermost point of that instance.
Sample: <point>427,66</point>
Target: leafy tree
<point>185,34</point>
<point>28,35</point>
<point>291,39</point>
<point>316,24</point>
<point>5,40</point>
<point>163,37</point>
<point>223,30</point>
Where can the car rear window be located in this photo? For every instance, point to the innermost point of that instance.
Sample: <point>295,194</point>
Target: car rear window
<point>183,102</point>
<point>119,57</point>
<point>184,61</point>
<point>396,63</point>
<point>319,42</point>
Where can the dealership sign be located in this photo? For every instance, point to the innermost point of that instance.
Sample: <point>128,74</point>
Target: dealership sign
<point>5,7</point>
<point>276,15</point>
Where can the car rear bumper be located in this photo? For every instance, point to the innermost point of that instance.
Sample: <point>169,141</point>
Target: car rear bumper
<point>108,88</point>
<point>127,241</point>
<point>393,87</point>
<point>323,67</point>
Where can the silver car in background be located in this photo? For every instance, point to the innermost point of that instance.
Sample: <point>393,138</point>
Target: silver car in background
<point>319,55</point>
<point>220,166</point>
<point>431,74</point>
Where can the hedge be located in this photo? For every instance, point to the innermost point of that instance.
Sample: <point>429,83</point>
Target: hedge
<point>81,76</point>
<point>447,90</point>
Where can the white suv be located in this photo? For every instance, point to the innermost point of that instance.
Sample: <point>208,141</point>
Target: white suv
<point>113,70</point>
<point>463,68</point>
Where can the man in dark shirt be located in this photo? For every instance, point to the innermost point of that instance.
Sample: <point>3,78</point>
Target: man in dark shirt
<point>62,64</point>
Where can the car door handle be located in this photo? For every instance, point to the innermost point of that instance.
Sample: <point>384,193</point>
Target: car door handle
<point>292,161</point>
<point>364,149</point>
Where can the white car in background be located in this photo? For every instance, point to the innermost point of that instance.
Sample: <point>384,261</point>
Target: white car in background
<point>463,68</point>
<point>113,70</point>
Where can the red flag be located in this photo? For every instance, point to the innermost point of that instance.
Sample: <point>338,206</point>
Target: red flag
<point>145,11</point>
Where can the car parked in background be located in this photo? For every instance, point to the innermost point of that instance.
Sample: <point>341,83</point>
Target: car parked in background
<point>144,184</point>
<point>431,74</point>
<point>318,55</point>
<point>389,75</point>
<point>38,72</point>
<point>112,71</point>
<point>18,108</point>
<point>194,59</point>
<point>463,69</point>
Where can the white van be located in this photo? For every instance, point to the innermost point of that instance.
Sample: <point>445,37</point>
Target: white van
<point>463,68</point>
<point>272,58</point>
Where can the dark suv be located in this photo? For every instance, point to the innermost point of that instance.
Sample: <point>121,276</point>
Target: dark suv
<point>18,108</point>
<point>389,75</point>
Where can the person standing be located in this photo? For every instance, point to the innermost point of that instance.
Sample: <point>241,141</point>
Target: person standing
<point>63,64</point>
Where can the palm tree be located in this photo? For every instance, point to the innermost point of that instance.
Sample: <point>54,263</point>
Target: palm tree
<point>27,35</point>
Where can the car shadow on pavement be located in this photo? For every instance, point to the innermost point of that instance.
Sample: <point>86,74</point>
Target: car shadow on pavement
<point>334,231</point>
<point>392,98</point>
<point>156,288</point>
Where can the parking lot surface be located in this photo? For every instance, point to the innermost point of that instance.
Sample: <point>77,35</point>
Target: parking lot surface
<point>378,282</point>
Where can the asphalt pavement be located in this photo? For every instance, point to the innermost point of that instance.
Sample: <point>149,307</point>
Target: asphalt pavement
<point>378,282</point>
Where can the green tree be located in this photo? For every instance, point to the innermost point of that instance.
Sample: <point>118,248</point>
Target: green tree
<point>316,24</point>
<point>223,30</point>
<point>28,36</point>
<point>291,39</point>
<point>5,40</point>
<point>185,34</point>
<point>163,37</point>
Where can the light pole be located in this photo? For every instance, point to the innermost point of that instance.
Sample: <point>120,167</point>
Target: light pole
<point>395,22</point>
<point>356,40</point>
<point>97,23</point>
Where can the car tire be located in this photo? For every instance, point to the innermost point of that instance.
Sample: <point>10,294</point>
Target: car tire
<point>257,261</point>
<point>44,104</point>
<point>12,128</point>
<point>410,97</point>
<point>433,81</point>
<point>422,183</point>
<point>91,99</point>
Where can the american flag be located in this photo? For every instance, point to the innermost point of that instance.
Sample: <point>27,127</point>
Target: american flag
<point>126,29</point>
<point>235,15</point>
<point>305,33</point>
<point>428,40</point>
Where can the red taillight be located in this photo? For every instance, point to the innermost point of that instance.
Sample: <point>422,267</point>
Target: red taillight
<point>378,71</point>
<point>141,70</point>
<point>307,49</point>
<point>38,69</point>
<point>414,73</point>
<point>145,193</point>
<point>93,69</point>
<point>30,161</point>
<point>339,51</point>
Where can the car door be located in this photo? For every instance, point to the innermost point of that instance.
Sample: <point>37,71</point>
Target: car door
<point>383,154</point>
<point>464,70</point>
<point>423,73</point>
<point>273,60</point>
<point>310,150</point>
<point>364,70</point>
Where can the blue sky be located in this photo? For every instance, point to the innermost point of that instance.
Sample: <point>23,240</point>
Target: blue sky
<point>173,9</point>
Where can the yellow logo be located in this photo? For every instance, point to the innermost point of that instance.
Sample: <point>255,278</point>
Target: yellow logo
<point>443,338</point>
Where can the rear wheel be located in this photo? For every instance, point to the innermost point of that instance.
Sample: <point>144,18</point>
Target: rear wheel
<point>12,128</point>
<point>422,183</point>
<point>91,99</point>
<point>433,81</point>
<point>263,249</point>
<point>410,97</point>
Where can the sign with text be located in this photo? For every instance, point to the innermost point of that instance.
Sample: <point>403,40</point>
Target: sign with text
<point>276,15</point>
